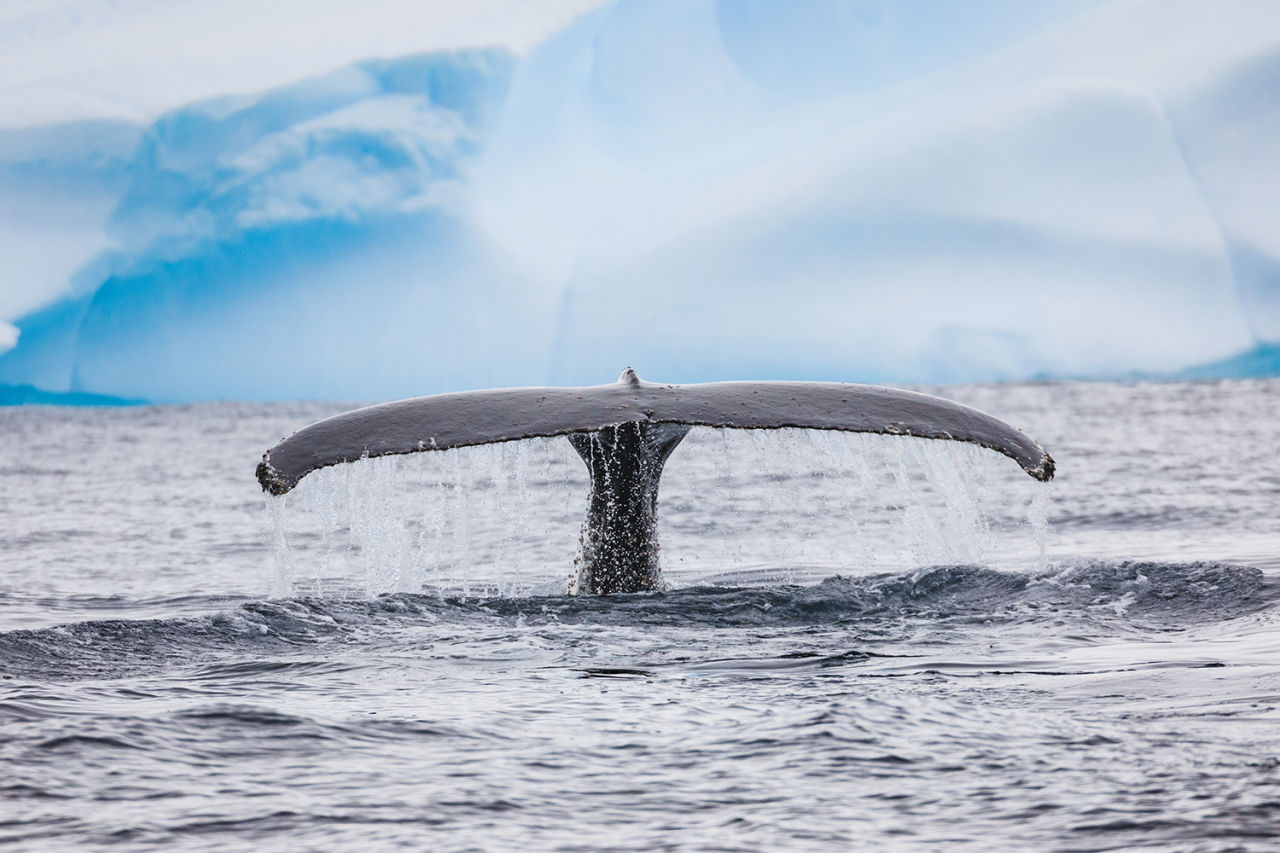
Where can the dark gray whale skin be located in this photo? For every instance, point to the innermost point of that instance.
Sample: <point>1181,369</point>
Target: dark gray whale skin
<point>618,550</point>
<point>469,418</point>
<point>624,432</point>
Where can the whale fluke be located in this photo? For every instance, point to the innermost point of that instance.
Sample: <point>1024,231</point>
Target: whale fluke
<point>624,432</point>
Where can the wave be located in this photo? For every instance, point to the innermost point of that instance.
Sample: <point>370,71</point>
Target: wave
<point>265,639</point>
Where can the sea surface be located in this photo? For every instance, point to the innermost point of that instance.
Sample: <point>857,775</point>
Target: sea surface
<point>866,642</point>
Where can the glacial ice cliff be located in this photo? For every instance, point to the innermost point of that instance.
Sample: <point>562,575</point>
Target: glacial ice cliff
<point>858,190</point>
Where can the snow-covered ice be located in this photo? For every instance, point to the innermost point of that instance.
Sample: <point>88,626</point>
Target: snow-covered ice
<point>856,190</point>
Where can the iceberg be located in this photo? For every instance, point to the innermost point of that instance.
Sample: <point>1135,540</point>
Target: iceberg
<point>863,190</point>
<point>309,242</point>
<point>1035,207</point>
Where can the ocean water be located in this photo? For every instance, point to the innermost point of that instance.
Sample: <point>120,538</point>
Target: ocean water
<point>866,642</point>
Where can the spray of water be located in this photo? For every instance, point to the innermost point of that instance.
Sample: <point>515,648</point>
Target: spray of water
<point>736,506</point>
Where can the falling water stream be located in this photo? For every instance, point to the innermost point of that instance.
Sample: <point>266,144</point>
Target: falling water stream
<point>736,506</point>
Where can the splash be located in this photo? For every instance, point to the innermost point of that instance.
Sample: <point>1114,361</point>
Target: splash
<point>736,506</point>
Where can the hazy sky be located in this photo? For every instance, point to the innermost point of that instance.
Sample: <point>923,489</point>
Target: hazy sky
<point>133,59</point>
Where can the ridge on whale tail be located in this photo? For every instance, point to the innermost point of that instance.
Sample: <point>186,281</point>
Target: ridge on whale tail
<point>624,432</point>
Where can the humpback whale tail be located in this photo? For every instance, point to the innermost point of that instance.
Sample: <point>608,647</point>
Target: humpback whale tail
<point>624,432</point>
